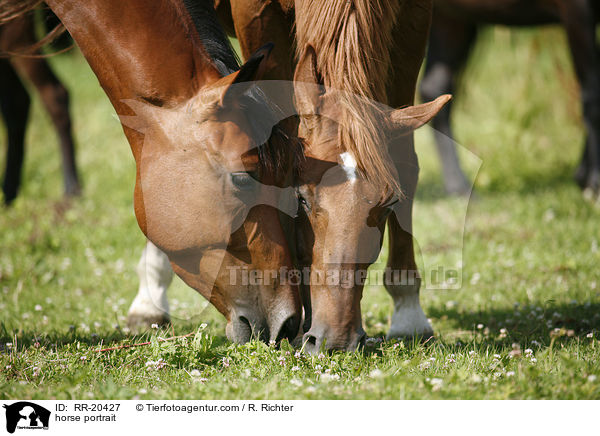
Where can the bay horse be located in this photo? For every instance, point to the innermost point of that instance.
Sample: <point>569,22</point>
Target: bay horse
<point>349,183</point>
<point>201,139</point>
<point>16,36</point>
<point>454,30</point>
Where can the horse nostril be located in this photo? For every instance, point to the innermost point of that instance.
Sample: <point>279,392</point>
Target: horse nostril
<point>289,329</point>
<point>311,343</point>
<point>310,339</point>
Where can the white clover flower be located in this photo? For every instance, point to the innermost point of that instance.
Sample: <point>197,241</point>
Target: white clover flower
<point>436,384</point>
<point>203,326</point>
<point>38,307</point>
<point>480,326</point>
<point>225,362</point>
<point>298,354</point>
<point>528,352</point>
<point>154,326</point>
<point>591,378</point>
<point>425,365</point>
<point>295,368</point>
<point>142,391</point>
<point>510,373</point>
<point>321,356</point>
<point>195,373</point>
<point>296,382</point>
<point>533,360</point>
<point>590,335</point>
<point>376,373</point>
<point>472,353</point>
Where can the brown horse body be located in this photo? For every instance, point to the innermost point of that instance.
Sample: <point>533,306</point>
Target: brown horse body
<point>350,180</point>
<point>170,74</point>
<point>453,33</point>
<point>15,36</point>
<point>341,225</point>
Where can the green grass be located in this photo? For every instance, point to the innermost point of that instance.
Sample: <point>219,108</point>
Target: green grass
<point>529,258</point>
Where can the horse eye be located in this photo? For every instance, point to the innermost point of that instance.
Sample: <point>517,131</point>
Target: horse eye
<point>302,201</point>
<point>242,180</point>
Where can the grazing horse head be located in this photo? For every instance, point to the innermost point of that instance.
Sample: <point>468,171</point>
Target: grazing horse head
<point>202,139</point>
<point>211,193</point>
<point>345,202</point>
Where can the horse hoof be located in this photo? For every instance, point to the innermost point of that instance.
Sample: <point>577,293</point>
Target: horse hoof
<point>73,190</point>
<point>139,321</point>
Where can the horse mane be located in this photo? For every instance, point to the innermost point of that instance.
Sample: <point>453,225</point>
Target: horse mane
<point>212,36</point>
<point>352,41</point>
<point>199,20</point>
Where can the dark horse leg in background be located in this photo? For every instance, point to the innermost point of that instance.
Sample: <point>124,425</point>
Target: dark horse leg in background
<point>579,18</point>
<point>452,36</point>
<point>18,35</point>
<point>14,103</point>
<point>449,47</point>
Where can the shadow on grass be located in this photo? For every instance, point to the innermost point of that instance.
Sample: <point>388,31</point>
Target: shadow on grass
<point>430,188</point>
<point>54,338</point>
<point>525,323</point>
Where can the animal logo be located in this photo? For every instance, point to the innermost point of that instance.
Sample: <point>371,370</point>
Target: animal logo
<point>26,415</point>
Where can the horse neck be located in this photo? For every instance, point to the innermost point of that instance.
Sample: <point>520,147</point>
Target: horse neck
<point>138,51</point>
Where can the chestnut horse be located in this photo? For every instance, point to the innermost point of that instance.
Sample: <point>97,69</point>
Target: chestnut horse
<point>349,183</point>
<point>454,29</point>
<point>198,135</point>
<point>15,36</point>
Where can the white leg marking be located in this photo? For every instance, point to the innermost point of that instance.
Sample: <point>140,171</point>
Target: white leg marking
<point>155,274</point>
<point>408,318</point>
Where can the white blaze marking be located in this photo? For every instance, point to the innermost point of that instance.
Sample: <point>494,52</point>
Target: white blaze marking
<point>349,165</point>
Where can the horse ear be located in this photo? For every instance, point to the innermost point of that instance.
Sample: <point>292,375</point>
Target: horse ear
<point>252,70</point>
<point>307,82</point>
<point>410,118</point>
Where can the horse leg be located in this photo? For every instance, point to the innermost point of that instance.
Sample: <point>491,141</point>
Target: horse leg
<point>578,16</point>
<point>449,46</point>
<point>408,318</point>
<point>56,101</point>
<point>150,305</point>
<point>14,104</point>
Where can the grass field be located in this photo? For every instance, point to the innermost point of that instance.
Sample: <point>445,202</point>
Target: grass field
<point>525,323</point>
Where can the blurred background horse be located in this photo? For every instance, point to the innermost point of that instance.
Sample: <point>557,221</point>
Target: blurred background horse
<point>454,30</point>
<point>16,38</point>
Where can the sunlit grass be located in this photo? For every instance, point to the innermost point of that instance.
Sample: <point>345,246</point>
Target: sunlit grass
<point>523,325</point>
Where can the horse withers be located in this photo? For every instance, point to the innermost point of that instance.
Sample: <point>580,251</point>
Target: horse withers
<point>201,139</point>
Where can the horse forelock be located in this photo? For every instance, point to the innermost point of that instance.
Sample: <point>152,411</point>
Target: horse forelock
<point>352,41</point>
